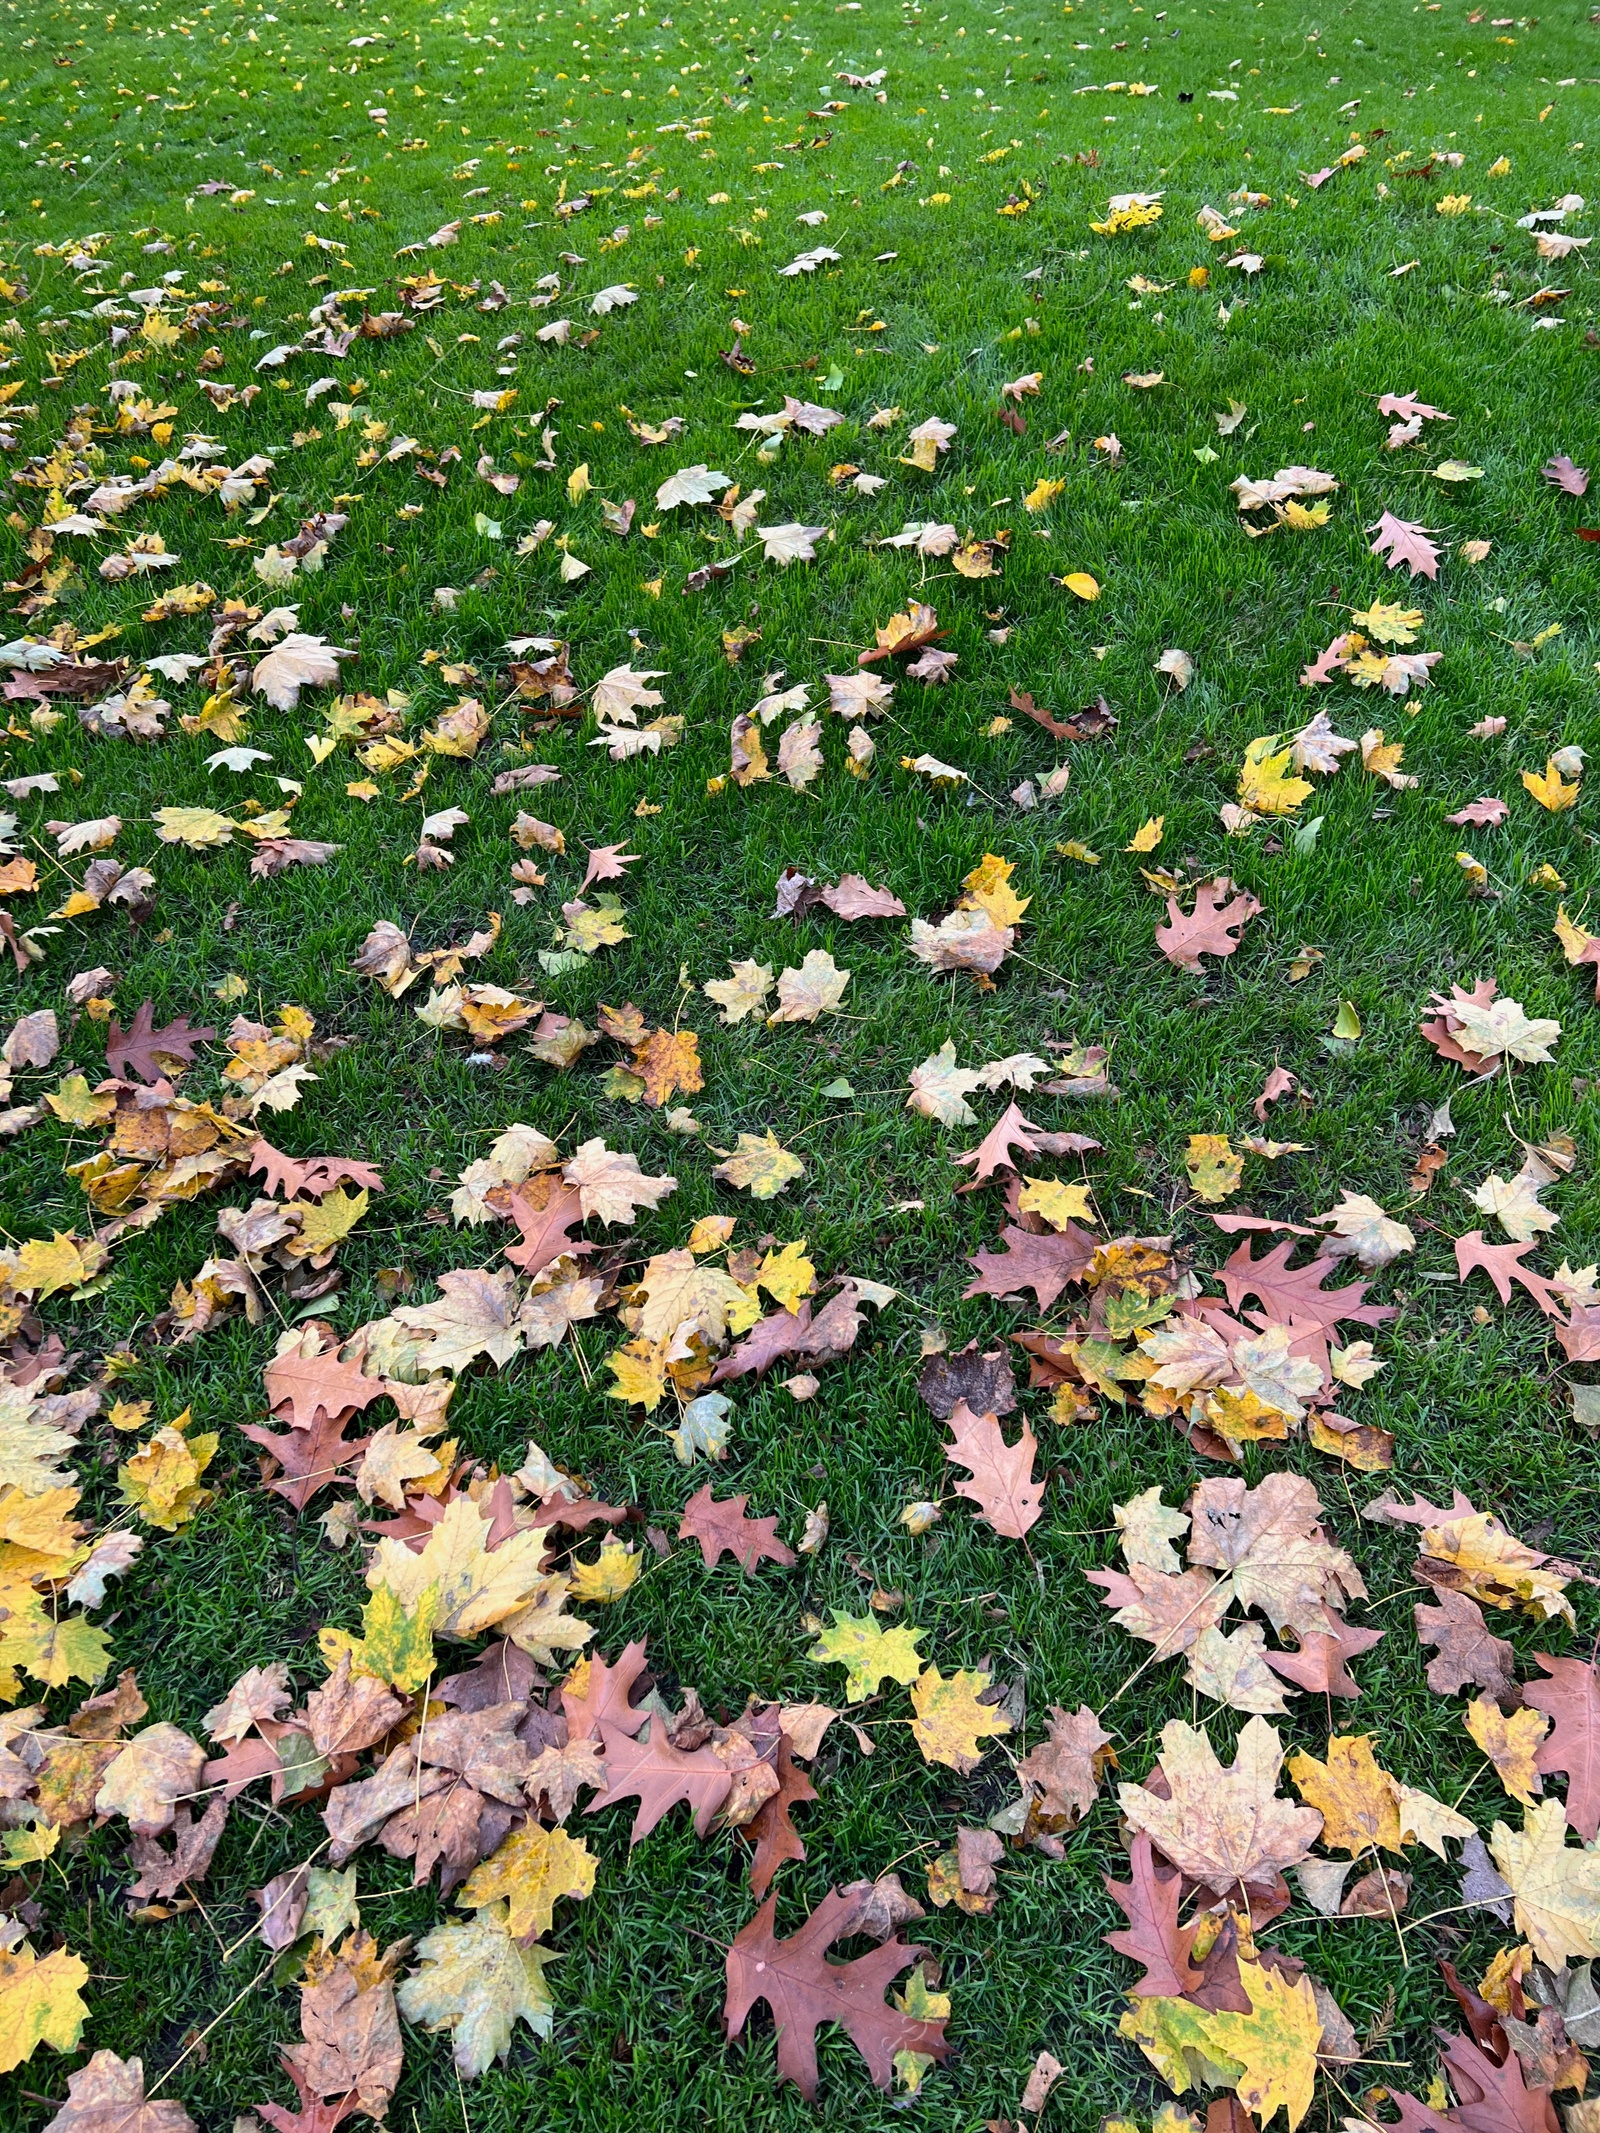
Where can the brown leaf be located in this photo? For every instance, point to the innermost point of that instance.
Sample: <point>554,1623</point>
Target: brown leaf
<point>1001,1483</point>
<point>163,1873</point>
<point>1469,1654</point>
<point>107,2096</point>
<point>348,1713</point>
<point>772,1830</point>
<point>149,1054</point>
<point>1066,1769</point>
<point>307,1384</point>
<point>1150,1899</point>
<point>881,1907</point>
<point>1571,1697</point>
<point>1322,1662</point>
<point>803,1990</point>
<point>1211,928</point>
<point>480,1746</point>
<point>722,1528</point>
<point>1044,1264</point>
<point>355,1813</point>
<point>445,1830</point>
<point>982,1379</point>
<point>308,1459</point>
<point>351,2030</point>
<point>852,897</point>
<point>660,1776</point>
<point>602,1697</point>
<point>1289,1293</point>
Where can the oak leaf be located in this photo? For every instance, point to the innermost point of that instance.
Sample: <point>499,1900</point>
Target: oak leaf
<point>1150,1898</point>
<point>1220,912</point>
<point>1571,1698</point>
<point>1000,1479</point>
<point>722,1529</point>
<point>659,1776</point>
<point>803,1990</point>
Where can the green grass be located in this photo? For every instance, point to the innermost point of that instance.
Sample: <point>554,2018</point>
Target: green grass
<point>1477,1401</point>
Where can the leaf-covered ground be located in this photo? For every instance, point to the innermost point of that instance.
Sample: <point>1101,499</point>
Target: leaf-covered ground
<point>219,199</point>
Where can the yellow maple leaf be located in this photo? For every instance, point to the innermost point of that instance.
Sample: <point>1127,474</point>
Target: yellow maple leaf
<point>1551,790</point>
<point>396,1645</point>
<point>950,1721</point>
<point>1389,622</point>
<point>532,1868</point>
<point>40,2003</point>
<point>199,828</point>
<point>162,1479</point>
<point>989,887</point>
<point>870,1652</point>
<point>1059,1203</point>
<point>1214,1169</point>
<point>1043,493</point>
<point>1267,785</point>
<point>38,1269</point>
<point>1268,2056</point>
<point>1510,1744</point>
<point>1357,1799</point>
<point>787,1275</point>
<point>610,1575</point>
<point>640,1369</point>
<point>1147,836</point>
<point>760,1166</point>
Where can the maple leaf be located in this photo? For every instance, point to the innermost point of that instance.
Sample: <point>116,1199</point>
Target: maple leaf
<point>792,543</point>
<point>150,1054</point>
<point>478,1982</point>
<point>150,1774</point>
<point>477,1585</point>
<point>1470,1551</point>
<point>1211,928</point>
<point>660,1776</point>
<point>870,1652</point>
<point>965,939</point>
<point>532,1869</point>
<point>610,1185</point>
<point>1399,540</point>
<point>1356,1799</point>
<point>816,988</point>
<point>1511,1744</point>
<point>698,484</point>
<point>1170,1612</point>
<point>1359,1228</point>
<point>1549,788</point>
<point>1001,1479</point>
<point>350,2028</point>
<point>743,992</point>
<point>1571,1699</point>
<point>722,1529</point>
<point>951,1718</point>
<point>803,1990</point>
<point>1270,1543</point>
<point>1223,1825</point>
<point>296,662</point>
<point>40,2003</point>
<point>1555,1887</point>
<point>107,2096</point>
<point>759,1166</point>
<point>1268,2055</point>
<point>1267,785</point>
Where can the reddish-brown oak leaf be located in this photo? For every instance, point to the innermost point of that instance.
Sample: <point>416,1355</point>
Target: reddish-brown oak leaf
<point>544,1229</point>
<point>1001,1479</point>
<point>1322,1662</point>
<point>309,1385</point>
<point>603,1698</point>
<point>1571,1697</point>
<point>312,1175</point>
<point>145,1053</point>
<point>772,1831</point>
<point>659,1776</point>
<point>804,1990</point>
<point>1150,1898</point>
<point>1212,928</point>
<point>1503,1265</point>
<point>1044,1264</point>
<point>722,1529</point>
<point>1297,1292</point>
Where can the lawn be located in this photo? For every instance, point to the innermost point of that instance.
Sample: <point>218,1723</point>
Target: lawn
<point>574,236</point>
